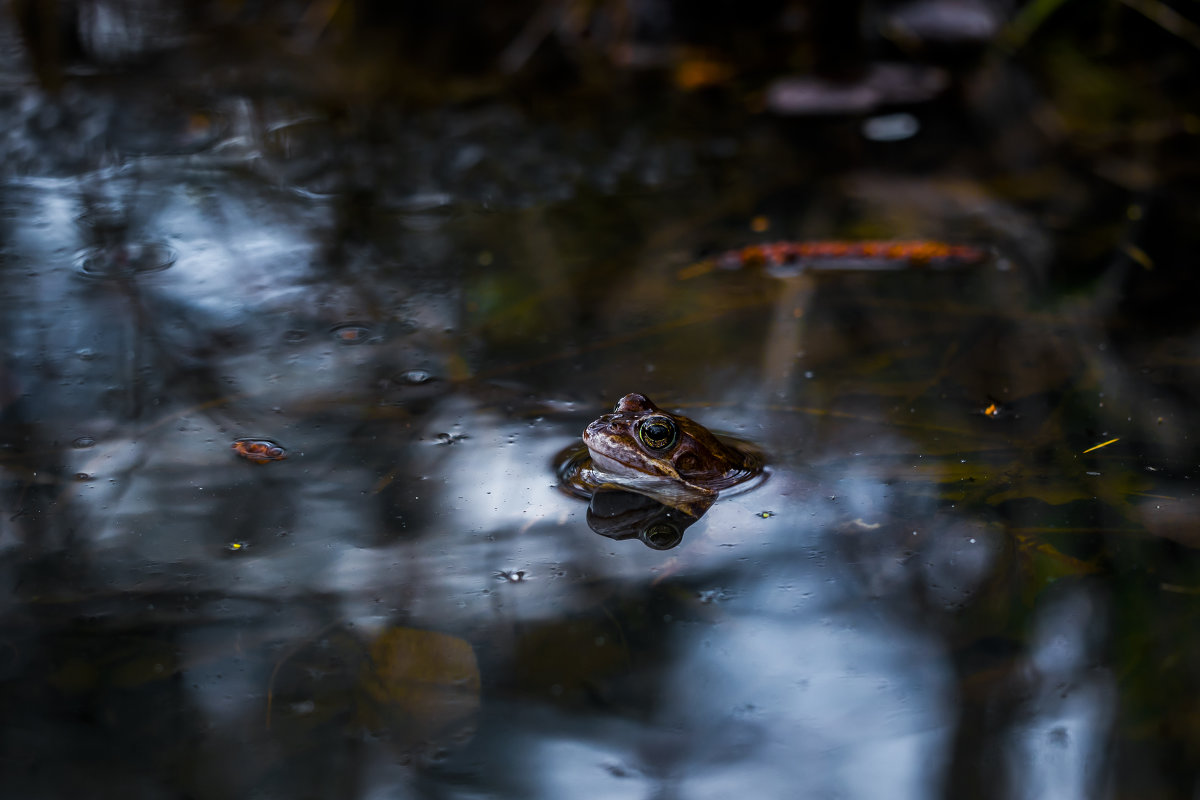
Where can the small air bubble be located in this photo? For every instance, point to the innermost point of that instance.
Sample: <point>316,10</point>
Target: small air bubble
<point>83,442</point>
<point>416,377</point>
<point>512,576</point>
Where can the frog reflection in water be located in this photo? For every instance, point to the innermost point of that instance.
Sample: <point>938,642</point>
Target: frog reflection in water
<point>642,449</point>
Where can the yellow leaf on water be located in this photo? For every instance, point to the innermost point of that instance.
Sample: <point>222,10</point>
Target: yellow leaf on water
<point>1102,444</point>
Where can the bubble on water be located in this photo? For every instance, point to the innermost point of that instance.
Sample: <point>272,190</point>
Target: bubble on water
<point>83,442</point>
<point>512,576</point>
<point>124,260</point>
<point>85,354</point>
<point>351,333</point>
<point>83,476</point>
<point>295,336</point>
<point>416,377</point>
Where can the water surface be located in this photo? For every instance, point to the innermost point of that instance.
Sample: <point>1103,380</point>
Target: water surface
<point>970,570</point>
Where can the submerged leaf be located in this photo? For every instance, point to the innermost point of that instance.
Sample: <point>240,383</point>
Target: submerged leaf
<point>420,686</point>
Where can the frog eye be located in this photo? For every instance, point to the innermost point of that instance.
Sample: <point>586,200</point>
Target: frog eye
<point>657,433</point>
<point>661,535</point>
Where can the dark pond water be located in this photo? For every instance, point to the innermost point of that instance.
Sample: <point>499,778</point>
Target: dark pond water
<point>288,360</point>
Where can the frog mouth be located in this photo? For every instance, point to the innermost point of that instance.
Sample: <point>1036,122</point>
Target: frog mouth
<point>606,463</point>
<point>600,433</point>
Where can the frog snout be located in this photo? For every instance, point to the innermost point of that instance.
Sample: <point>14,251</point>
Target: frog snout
<point>596,426</point>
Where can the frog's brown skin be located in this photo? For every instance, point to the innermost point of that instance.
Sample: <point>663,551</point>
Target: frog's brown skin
<point>640,447</point>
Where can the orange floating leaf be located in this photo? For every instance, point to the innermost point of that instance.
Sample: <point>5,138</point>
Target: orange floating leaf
<point>914,253</point>
<point>260,451</point>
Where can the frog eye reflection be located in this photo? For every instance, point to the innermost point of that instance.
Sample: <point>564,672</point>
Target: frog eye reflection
<point>657,433</point>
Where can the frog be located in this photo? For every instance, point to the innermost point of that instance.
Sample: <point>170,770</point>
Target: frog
<point>638,447</point>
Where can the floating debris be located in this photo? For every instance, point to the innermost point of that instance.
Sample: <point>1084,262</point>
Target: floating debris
<point>1102,444</point>
<point>910,253</point>
<point>351,333</point>
<point>512,576</point>
<point>260,451</point>
<point>415,377</point>
<point>788,258</point>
